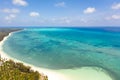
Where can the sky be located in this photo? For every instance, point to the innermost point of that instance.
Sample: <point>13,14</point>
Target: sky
<point>59,12</point>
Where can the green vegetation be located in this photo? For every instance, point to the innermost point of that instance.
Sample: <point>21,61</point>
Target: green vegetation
<point>9,70</point>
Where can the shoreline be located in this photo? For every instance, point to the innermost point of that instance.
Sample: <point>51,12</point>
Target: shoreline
<point>59,74</point>
<point>4,39</point>
<point>45,72</point>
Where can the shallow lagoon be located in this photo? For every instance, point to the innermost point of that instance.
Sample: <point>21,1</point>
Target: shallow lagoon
<point>67,50</point>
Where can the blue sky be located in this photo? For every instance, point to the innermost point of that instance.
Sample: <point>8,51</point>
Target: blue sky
<point>59,12</point>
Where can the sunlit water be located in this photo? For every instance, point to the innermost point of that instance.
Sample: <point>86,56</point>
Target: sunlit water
<point>68,49</point>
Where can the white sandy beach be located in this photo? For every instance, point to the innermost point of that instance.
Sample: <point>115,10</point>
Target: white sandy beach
<point>52,75</point>
<point>85,73</point>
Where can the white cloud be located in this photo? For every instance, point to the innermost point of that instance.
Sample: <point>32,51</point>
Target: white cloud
<point>113,17</point>
<point>13,10</point>
<point>65,20</point>
<point>11,13</point>
<point>61,20</point>
<point>108,18</point>
<point>116,6</point>
<point>60,4</point>
<point>89,10</point>
<point>10,17</point>
<point>83,20</point>
<point>20,2</point>
<point>34,14</point>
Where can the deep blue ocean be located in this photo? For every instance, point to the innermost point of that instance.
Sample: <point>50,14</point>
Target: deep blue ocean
<point>67,48</point>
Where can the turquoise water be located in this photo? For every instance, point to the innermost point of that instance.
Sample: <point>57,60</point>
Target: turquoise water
<point>67,48</point>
